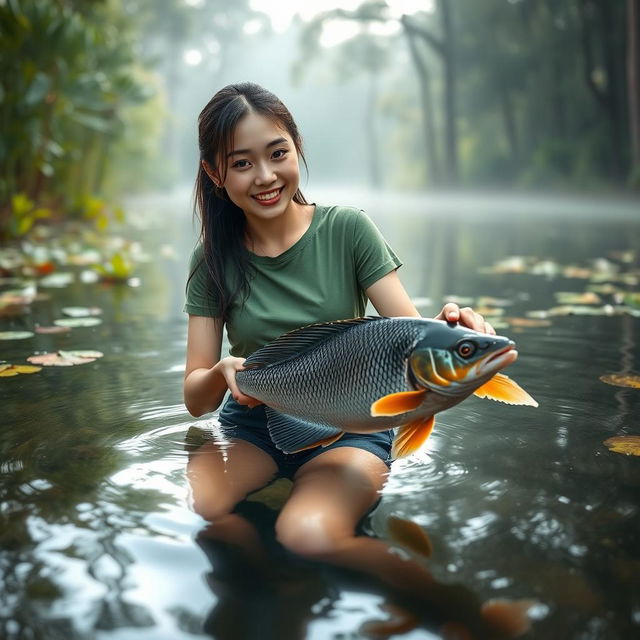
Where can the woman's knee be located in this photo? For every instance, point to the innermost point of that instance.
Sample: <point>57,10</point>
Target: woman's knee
<point>212,508</point>
<point>311,535</point>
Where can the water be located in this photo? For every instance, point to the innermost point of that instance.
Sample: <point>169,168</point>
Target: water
<point>98,540</point>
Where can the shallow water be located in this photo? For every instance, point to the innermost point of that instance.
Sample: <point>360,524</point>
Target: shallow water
<point>98,540</point>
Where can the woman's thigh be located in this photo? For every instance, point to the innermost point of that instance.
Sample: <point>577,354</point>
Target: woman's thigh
<point>330,495</point>
<point>222,474</point>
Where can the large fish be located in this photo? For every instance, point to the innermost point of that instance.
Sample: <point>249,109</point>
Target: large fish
<point>371,374</point>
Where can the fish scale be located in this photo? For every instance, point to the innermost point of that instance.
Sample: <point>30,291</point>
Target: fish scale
<point>334,366</point>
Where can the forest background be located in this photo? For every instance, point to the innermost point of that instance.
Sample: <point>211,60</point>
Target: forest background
<point>99,98</point>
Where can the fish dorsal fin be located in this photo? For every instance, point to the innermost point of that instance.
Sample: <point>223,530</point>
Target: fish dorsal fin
<point>292,434</point>
<point>504,389</point>
<point>299,340</point>
<point>412,436</point>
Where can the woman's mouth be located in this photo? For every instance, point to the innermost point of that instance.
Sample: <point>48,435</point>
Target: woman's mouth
<point>267,198</point>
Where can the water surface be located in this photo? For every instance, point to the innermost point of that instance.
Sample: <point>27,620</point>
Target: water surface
<point>98,540</point>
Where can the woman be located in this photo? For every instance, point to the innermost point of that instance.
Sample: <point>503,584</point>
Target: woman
<point>270,262</point>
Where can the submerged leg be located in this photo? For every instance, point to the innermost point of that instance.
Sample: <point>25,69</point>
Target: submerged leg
<point>330,495</point>
<point>220,476</point>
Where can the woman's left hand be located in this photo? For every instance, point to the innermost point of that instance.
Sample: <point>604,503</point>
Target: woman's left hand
<point>466,316</point>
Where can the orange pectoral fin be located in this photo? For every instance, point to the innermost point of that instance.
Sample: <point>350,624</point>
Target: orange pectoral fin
<point>412,436</point>
<point>504,389</point>
<point>396,403</point>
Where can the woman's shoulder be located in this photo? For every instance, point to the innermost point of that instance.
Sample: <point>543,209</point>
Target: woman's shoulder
<point>341,216</point>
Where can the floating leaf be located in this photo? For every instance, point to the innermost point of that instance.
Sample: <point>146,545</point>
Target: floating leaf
<point>77,322</point>
<point>528,322</point>
<point>57,280</point>
<point>54,329</point>
<point>572,271</point>
<point>622,380</point>
<point>64,358</point>
<point>15,335</point>
<point>627,445</point>
<point>570,297</point>
<point>489,301</point>
<point>80,312</point>
<point>9,370</point>
<point>81,353</point>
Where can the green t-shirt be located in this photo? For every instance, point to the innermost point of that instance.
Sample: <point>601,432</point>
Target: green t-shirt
<point>321,278</point>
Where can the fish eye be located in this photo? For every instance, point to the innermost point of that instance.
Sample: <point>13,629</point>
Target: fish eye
<point>465,349</point>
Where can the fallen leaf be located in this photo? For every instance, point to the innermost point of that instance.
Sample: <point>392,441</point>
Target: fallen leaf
<point>64,358</point>
<point>52,329</point>
<point>77,322</point>
<point>15,335</point>
<point>627,445</point>
<point>57,280</point>
<point>622,380</point>
<point>81,312</point>
<point>528,322</point>
<point>9,370</point>
<point>570,297</point>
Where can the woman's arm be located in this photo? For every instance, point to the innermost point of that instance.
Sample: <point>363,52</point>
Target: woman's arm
<point>390,298</point>
<point>206,376</point>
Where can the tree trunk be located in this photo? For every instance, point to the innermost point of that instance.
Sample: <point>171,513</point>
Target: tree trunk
<point>448,59</point>
<point>375,175</point>
<point>426,101</point>
<point>510,127</point>
<point>633,83</point>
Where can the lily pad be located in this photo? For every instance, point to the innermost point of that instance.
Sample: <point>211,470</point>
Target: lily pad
<point>53,329</point>
<point>81,312</point>
<point>622,380</point>
<point>77,322</point>
<point>10,370</point>
<point>570,297</point>
<point>65,358</point>
<point>627,445</point>
<point>528,322</point>
<point>15,335</point>
<point>57,280</point>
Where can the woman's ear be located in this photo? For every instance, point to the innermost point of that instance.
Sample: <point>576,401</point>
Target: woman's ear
<point>215,178</point>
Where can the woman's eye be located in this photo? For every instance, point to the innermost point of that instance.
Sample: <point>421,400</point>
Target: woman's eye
<point>240,164</point>
<point>279,153</point>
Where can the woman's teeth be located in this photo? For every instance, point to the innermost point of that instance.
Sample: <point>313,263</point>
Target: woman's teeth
<point>268,196</point>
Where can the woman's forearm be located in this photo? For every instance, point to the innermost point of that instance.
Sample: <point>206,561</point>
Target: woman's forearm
<point>204,390</point>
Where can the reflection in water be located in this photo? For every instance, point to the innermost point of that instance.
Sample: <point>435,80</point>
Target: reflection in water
<point>96,534</point>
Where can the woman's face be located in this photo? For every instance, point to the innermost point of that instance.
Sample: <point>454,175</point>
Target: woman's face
<point>262,168</point>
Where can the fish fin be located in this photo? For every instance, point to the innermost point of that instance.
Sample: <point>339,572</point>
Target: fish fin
<point>409,535</point>
<point>397,403</point>
<point>412,436</point>
<point>291,434</point>
<point>504,389</point>
<point>299,340</point>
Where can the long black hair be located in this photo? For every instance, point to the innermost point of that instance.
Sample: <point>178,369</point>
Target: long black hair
<point>222,222</point>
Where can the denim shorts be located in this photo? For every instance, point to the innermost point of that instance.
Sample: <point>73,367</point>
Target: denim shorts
<point>238,421</point>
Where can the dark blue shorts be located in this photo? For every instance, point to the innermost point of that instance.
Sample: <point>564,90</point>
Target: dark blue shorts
<point>240,422</point>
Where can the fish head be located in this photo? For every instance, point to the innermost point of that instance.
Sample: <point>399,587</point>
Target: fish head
<point>453,360</point>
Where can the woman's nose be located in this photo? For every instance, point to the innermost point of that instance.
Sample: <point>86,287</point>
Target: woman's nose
<point>265,174</point>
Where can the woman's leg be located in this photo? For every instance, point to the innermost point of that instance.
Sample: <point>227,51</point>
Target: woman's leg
<point>330,495</point>
<point>220,476</point>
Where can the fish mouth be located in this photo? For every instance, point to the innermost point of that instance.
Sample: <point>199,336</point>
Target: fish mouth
<point>498,360</point>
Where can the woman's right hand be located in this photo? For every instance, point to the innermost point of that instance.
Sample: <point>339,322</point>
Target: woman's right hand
<point>228,367</point>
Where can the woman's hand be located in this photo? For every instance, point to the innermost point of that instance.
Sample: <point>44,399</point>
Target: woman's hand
<point>228,367</point>
<point>466,316</point>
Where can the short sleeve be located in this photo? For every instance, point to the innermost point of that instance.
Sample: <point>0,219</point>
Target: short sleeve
<point>199,299</point>
<point>373,257</point>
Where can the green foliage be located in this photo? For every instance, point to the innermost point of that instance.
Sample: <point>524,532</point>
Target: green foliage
<point>24,214</point>
<point>67,80</point>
